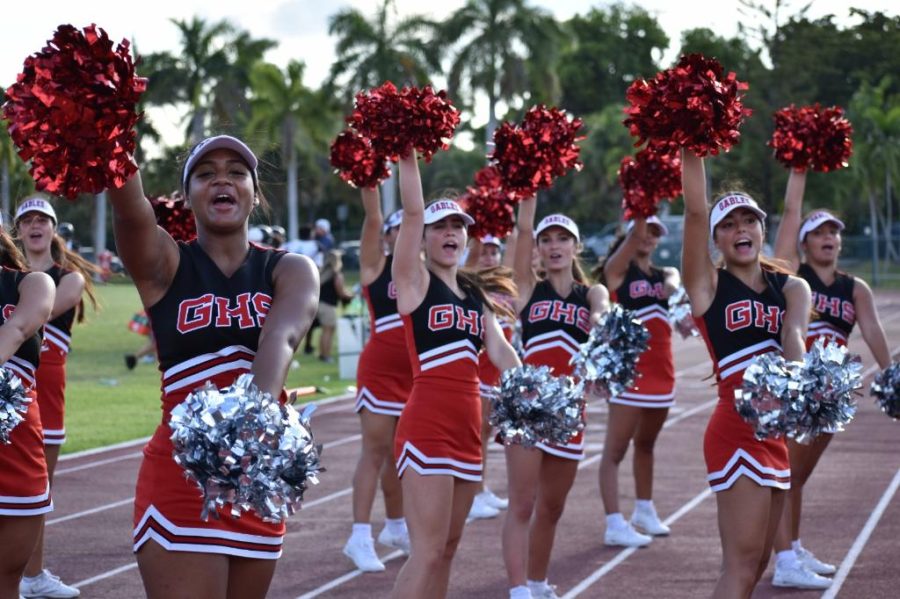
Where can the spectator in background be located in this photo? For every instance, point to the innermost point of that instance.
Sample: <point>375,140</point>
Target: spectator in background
<point>278,236</point>
<point>306,245</point>
<point>331,291</point>
<point>323,235</point>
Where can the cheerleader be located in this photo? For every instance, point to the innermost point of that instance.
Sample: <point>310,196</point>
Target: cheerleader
<point>24,485</point>
<point>46,252</point>
<point>639,413</point>
<point>839,301</point>
<point>447,318</point>
<point>744,308</point>
<point>383,382</point>
<point>557,313</point>
<point>219,307</point>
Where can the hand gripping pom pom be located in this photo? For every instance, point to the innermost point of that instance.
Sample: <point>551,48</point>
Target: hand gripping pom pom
<point>692,105</point>
<point>831,377</point>
<point>245,449</point>
<point>356,161</point>
<point>812,137</point>
<point>399,121</point>
<point>886,389</point>
<point>770,390</point>
<point>490,205</point>
<point>652,175</point>
<point>535,407</point>
<point>680,315</point>
<point>173,215</point>
<point>13,403</point>
<point>608,359</point>
<point>72,113</point>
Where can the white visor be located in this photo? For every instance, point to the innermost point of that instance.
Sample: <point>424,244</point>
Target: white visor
<point>732,202</point>
<point>442,209</point>
<point>814,221</point>
<point>215,143</point>
<point>651,220</point>
<point>558,220</point>
<point>393,220</point>
<point>35,205</point>
<point>491,240</point>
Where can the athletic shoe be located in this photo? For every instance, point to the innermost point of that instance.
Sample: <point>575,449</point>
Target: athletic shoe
<point>812,563</point>
<point>542,590</point>
<point>625,537</point>
<point>798,577</point>
<point>46,584</point>
<point>481,509</point>
<point>397,541</point>
<point>649,522</point>
<point>130,361</point>
<point>362,552</point>
<point>494,501</point>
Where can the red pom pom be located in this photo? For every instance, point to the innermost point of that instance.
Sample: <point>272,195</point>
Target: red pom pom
<point>812,137</point>
<point>492,208</point>
<point>72,112</point>
<point>173,215</point>
<point>400,121</point>
<point>691,105</point>
<point>531,156</point>
<point>653,174</point>
<point>356,161</point>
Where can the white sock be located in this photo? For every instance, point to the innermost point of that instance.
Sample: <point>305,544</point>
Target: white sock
<point>796,545</point>
<point>395,526</point>
<point>538,584</point>
<point>786,558</point>
<point>616,521</point>
<point>520,592</point>
<point>362,530</point>
<point>644,505</point>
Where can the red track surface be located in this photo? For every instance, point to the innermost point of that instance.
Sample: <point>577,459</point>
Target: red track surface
<point>89,534</point>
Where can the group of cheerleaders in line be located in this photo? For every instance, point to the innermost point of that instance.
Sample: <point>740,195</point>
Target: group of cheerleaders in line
<point>220,306</point>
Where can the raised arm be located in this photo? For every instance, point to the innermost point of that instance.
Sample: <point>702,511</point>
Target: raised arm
<point>149,254</point>
<point>371,256</point>
<point>509,254</point>
<point>473,253</point>
<point>789,227</point>
<point>870,324</point>
<point>408,270</point>
<point>498,349</point>
<point>36,294</point>
<point>293,308</point>
<point>523,272</point>
<point>616,265</point>
<point>598,299</point>
<point>697,268</point>
<point>796,318</point>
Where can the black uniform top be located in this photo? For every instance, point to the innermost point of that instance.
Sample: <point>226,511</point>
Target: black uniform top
<point>551,322</point>
<point>58,332</point>
<point>444,335</point>
<point>835,311</point>
<point>741,323</point>
<point>25,361</point>
<point>381,297</point>
<point>207,323</point>
<point>328,291</point>
<point>641,290</point>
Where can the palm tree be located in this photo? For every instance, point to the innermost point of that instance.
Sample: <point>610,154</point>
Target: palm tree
<point>230,104</point>
<point>284,111</point>
<point>489,35</point>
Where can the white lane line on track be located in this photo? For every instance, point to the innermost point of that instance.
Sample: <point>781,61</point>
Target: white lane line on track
<point>99,508</point>
<point>345,578</point>
<point>89,465</point>
<point>626,553</point>
<point>862,538</point>
<point>105,575</point>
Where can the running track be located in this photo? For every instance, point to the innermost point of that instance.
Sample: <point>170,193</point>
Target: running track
<point>852,514</point>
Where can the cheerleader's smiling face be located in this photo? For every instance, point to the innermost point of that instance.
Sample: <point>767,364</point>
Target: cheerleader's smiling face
<point>35,230</point>
<point>822,245</point>
<point>445,240</point>
<point>739,237</point>
<point>557,248</point>
<point>221,191</point>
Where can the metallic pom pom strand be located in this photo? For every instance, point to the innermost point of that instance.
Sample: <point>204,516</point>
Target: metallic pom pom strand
<point>13,403</point>
<point>770,389</point>
<point>886,390</point>
<point>680,316</point>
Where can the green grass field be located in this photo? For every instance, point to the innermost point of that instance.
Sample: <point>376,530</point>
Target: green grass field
<point>107,403</point>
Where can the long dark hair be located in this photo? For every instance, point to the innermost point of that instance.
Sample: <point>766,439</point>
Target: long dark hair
<point>10,255</point>
<point>73,261</point>
<point>498,279</point>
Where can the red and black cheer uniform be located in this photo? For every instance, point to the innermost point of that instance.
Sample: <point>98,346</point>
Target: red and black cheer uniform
<point>553,329</point>
<point>383,376</point>
<point>207,328</point>
<point>740,325</point>
<point>439,431</point>
<point>51,376</point>
<point>833,304</point>
<point>644,294</point>
<point>24,485</point>
<point>488,374</point>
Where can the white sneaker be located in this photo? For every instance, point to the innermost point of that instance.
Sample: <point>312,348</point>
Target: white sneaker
<point>625,537</point>
<point>812,563</point>
<point>46,584</point>
<point>542,590</point>
<point>362,552</point>
<point>494,501</point>
<point>797,576</point>
<point>481,510</point>
<point>397,541</point>
<point>649,522</point>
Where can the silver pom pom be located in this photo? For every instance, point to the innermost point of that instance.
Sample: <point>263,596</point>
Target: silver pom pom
<point>245,449</point>
<point>830,379</point>
<point>770,388</point>
<point>608,359</point>
<point>680,315</point>
<point>886,389</point>
<point>13,403</point>
<point>533,406</point>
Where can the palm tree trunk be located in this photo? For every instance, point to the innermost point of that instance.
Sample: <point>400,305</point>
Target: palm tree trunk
<point>198,125</point>
<point>292,196</point>
<point>873,220</point>
<point>492,120</point>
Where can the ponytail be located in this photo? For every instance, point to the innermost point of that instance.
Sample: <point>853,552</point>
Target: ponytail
<point>11,256</point>
<point>70,260</point>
